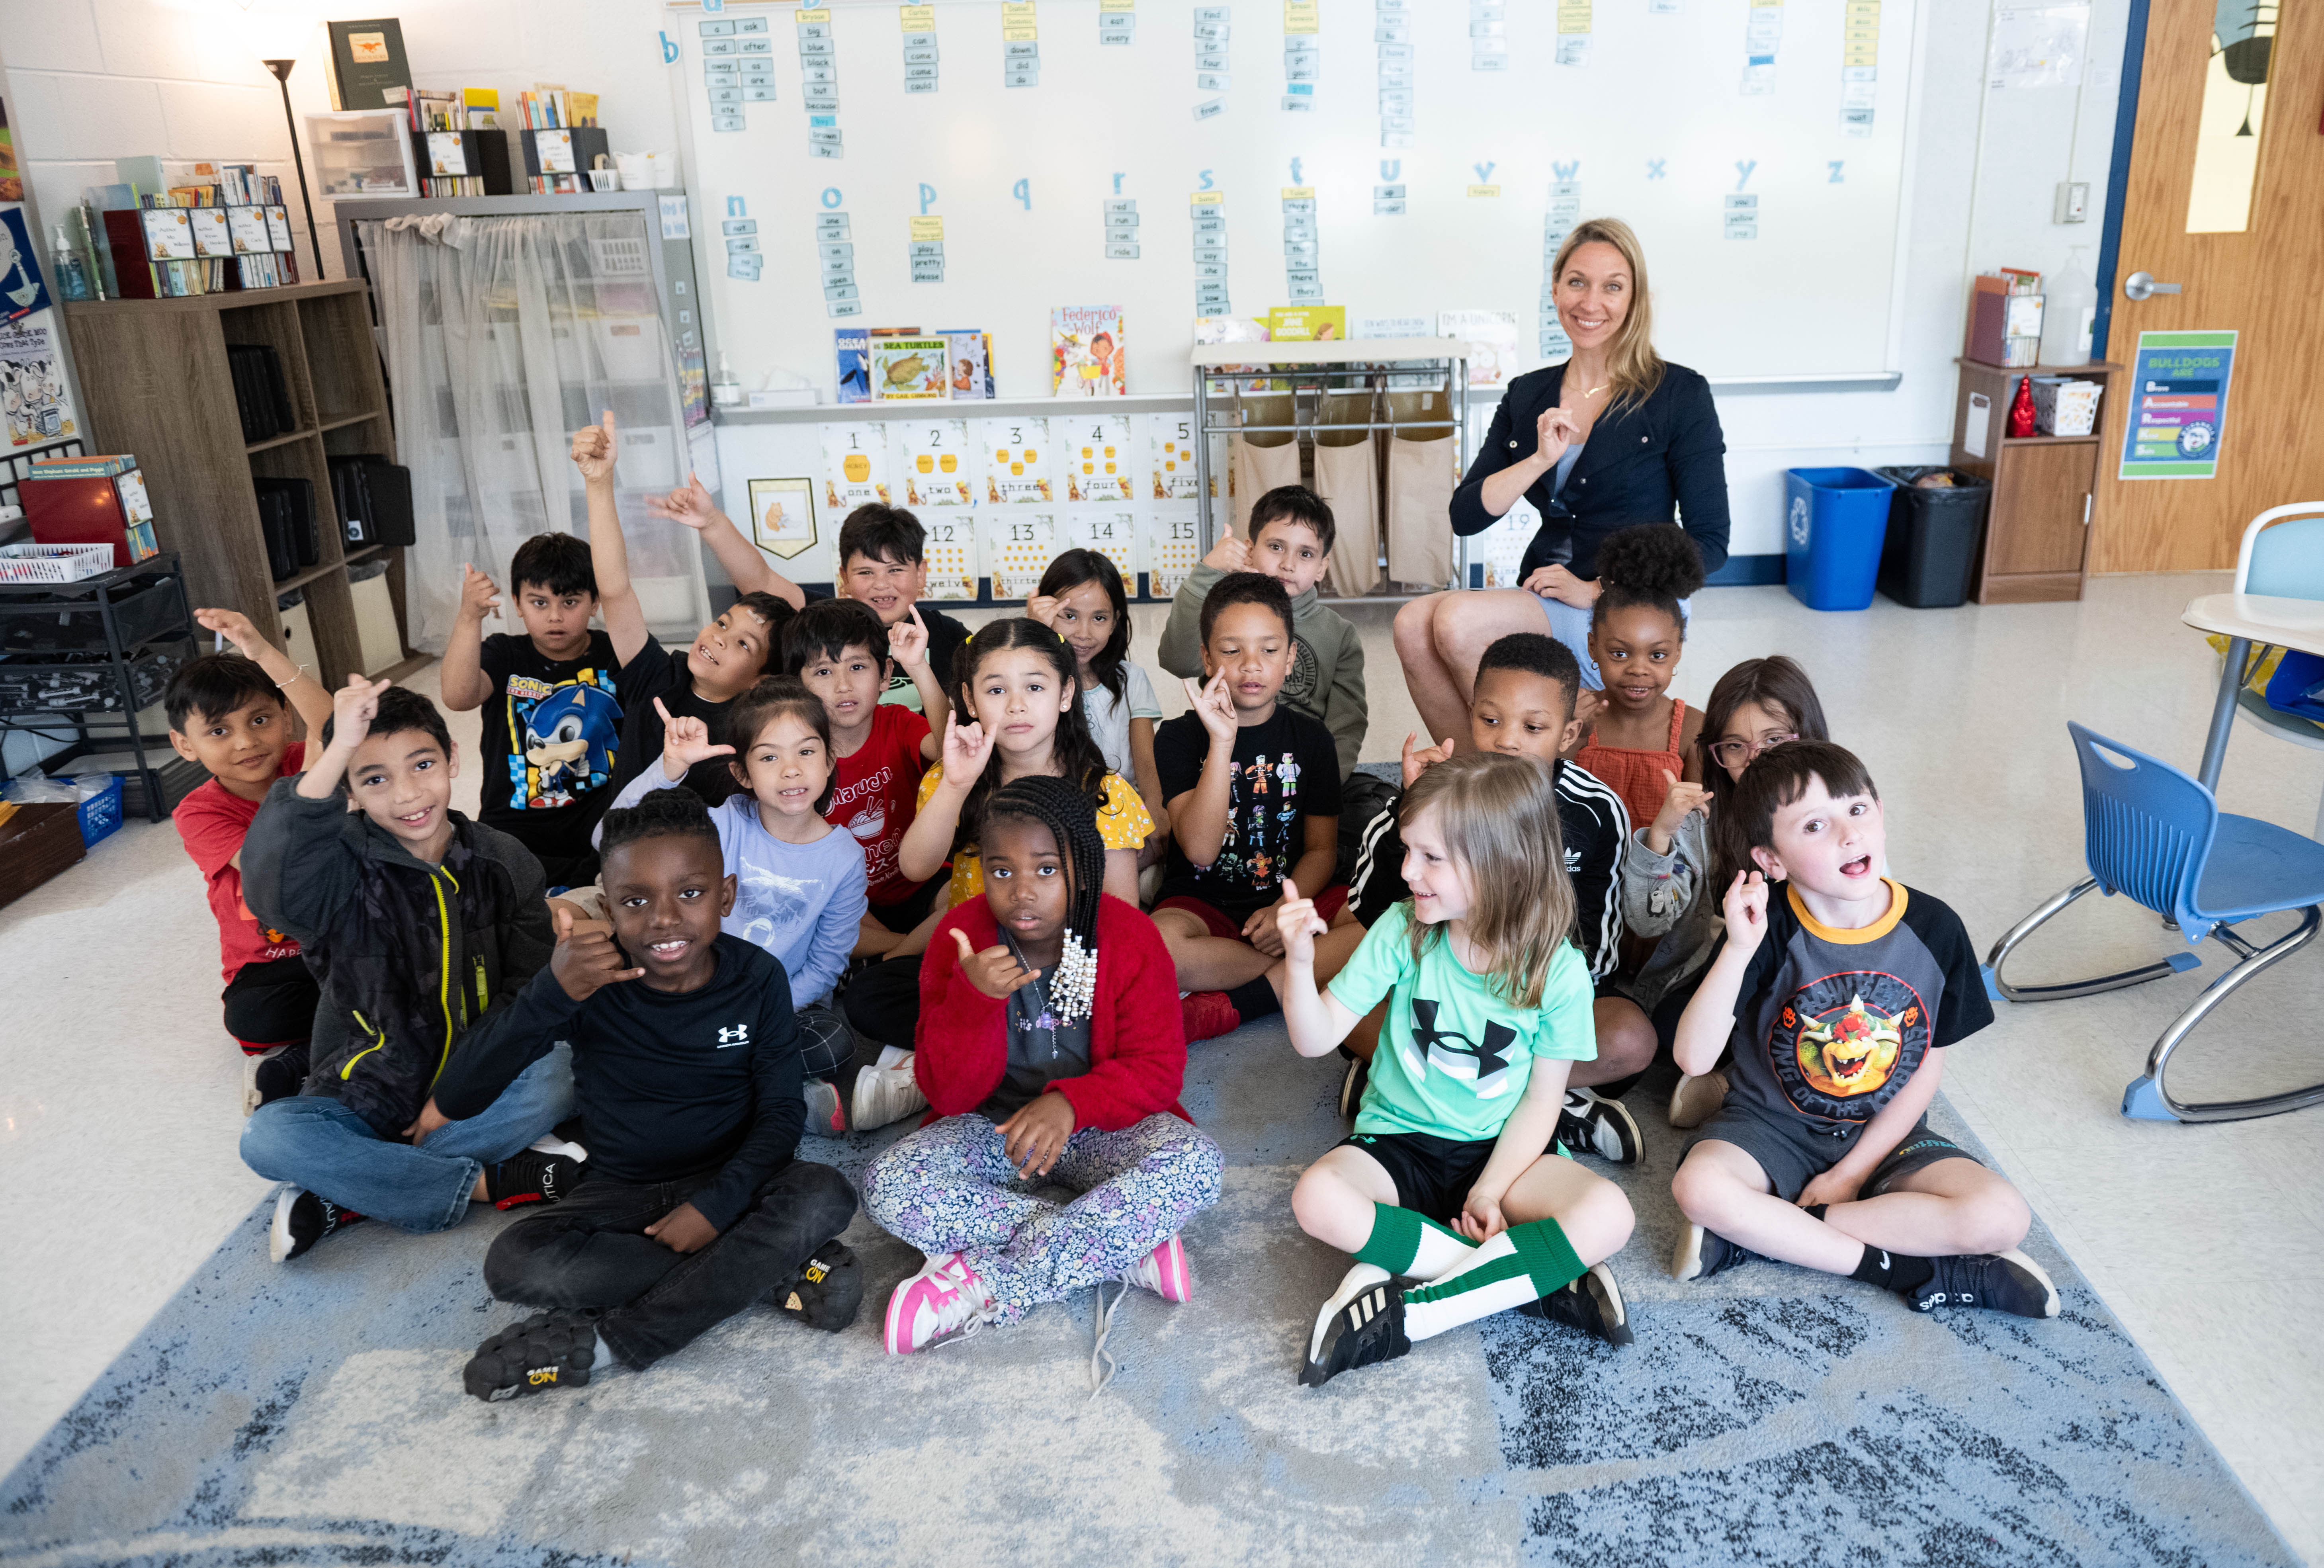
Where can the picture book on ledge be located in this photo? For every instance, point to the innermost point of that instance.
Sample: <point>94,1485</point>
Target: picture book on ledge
<point>1088,357</point>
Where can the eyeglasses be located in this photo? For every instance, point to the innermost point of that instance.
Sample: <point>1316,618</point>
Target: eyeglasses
<point>1735,754</point>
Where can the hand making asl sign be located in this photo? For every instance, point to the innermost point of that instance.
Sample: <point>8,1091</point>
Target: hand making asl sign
<point>997,971</point>
<point>1682,801</point>
<point>907,642</point>
<point>594,447</point>
<point>1418,760</point>
<point>1297,925</point>
<point>965,748</point>
<point>1214,707</point>
<point>685,741</point>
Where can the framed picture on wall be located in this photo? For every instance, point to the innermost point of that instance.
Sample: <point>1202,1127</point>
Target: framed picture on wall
<point>783,516</point>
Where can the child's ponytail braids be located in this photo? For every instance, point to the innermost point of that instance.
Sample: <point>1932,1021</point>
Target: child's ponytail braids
<point>1065,811</point>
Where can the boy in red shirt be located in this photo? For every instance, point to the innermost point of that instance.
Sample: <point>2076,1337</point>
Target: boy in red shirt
<point>232,715</point>
<point>841,653</point>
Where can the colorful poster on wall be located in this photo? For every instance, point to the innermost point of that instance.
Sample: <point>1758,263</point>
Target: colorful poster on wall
<point>783,516</point>
<point>22,289</point>
<point>35,404</point>
<point>12,183</point>
<point>2178,405</point>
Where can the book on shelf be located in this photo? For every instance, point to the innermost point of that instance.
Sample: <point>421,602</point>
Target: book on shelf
<point>971,363</point>
<point>1088,352</point>
<point>367,58</point>
<point>226,229</point>
<point>852,346</point>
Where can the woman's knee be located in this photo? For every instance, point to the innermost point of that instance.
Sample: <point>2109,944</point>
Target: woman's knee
<point>1414,630</point>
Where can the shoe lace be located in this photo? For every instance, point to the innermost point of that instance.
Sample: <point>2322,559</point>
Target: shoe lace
<point>1101,1325</point>
<point>962,1304</point>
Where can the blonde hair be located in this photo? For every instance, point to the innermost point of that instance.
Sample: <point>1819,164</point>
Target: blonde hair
<point>1633,369</point>
<point>1499,816</point>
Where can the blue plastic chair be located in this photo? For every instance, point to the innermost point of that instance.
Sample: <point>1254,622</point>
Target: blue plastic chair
<point>2156,835</point>
<point>2283,555</point>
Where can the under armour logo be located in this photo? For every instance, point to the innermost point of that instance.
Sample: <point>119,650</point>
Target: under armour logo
<point>1489,1057</point>
<point>740,1035</point>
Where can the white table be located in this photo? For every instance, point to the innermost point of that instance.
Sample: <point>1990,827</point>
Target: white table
<point>2245,619</point>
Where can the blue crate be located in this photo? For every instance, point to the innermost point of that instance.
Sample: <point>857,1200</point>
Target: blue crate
<point>100,813</point>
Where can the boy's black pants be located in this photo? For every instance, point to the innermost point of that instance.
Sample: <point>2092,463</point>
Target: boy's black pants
<point>590,1251</point>
<point>272,1003</point>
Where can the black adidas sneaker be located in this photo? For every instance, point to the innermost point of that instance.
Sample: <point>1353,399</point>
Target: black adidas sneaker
<point>550,1349</point>
<point>2007,1282</point>
<point>1592,1303</point>
<point>530,1176</point>
<point>301,1219</point>
<point>828,1289</point>
<point>1368,1329</point>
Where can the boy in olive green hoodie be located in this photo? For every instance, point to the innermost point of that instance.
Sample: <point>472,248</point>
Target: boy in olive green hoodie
<point>1291,537</point>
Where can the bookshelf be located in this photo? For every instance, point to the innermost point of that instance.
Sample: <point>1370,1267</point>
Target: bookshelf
<point>155,382</point>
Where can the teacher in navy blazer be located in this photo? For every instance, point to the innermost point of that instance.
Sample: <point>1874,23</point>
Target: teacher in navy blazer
<point>1615,435</point>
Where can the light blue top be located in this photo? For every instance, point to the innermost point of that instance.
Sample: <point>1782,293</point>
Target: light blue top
<point>802,902</point>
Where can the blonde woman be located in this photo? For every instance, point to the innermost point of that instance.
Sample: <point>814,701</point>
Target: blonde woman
<point>1615,435</point>
<point>1488,1007</point>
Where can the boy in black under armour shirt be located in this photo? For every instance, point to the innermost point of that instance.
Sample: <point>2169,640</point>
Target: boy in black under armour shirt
<point>686,1072</point>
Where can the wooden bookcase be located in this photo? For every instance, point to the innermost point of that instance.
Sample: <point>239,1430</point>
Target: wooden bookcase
<point>154,376</point>
<point>2037,530</point>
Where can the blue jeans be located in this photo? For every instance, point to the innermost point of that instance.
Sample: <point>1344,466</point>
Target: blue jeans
<point>1572,627</point>
<point>313,1141</point>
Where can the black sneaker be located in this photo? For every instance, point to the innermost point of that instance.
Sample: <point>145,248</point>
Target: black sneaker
<point>1592,1303</point>
<point>300,1219</point>
<point>2007,1282</point>
<point>1605,1128</point>
<point>531,1177</point>
<point>1368,1329</point>
<point>1703,1253</point>
<point>282,1075</point>
<point>828,1289</point>
<point>550,1349</point>
<point>1351,1086</point>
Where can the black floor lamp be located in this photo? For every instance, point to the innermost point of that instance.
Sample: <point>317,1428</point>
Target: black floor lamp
<point>281,70</point>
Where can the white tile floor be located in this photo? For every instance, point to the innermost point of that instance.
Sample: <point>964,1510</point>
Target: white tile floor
<point>120,1097</point>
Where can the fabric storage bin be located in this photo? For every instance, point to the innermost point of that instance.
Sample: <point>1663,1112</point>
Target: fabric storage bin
<point>297,630</point>
<point>1346,476</point>
<point>1420,480</point>
<point>1257,463</point>
<point>382,645</point>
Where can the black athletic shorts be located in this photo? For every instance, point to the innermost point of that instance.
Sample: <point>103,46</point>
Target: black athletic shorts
<point>1793,1154</point>
<point>1433,1176</point>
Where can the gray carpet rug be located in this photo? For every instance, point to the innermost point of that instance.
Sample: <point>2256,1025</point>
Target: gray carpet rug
<point>313,1414</point>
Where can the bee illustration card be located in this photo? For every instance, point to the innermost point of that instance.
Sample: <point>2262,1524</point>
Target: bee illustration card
<point>1016,460</point>
<point>854,466</point>
<point>1020,543</point>
<point>1170,441</point>
<point>1095,452</point>
<point>1112,532</point>
<point>950,557</point>
<point>940,465</point>
<point>1173,546</point>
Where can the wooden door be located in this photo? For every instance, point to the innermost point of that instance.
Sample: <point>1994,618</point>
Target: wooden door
<point>2198,93</point>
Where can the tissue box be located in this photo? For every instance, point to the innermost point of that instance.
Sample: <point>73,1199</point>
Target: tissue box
<point>2063,406</point>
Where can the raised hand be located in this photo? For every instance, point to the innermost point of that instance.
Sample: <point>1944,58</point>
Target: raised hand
<point>594,447</point>
<point>965,748</point>
<point>689,504</point>
<point>1297,924</point>
<point>352,707</point>
<point>1745,908</point>
<point>685,741</point>
<point>1043,607</point>
<point>995,972</point>
<point>478,596</point>
<point>1418,760</point>
<point>1679,801</point>
<point>1228,555</point>
<point>1213,706</point>
<point>235,628</point>
<point>585,960</point>
<point>908,642</point>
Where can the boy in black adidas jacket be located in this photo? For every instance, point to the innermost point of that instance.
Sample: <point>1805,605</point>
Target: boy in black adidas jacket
<point>419,924</point>
<point>686,1059</point>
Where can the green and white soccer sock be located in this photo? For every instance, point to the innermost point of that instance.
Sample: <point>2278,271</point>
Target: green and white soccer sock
<point>1523,1263</point>
<point>1412,1245</point>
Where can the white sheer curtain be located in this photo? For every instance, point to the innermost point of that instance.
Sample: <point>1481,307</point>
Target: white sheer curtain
<point>505,335</point>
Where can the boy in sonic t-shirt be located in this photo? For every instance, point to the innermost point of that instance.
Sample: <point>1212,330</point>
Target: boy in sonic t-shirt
<point>552,718</point>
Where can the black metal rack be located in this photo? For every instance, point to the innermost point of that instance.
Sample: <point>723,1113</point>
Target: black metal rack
<point>138,619</point>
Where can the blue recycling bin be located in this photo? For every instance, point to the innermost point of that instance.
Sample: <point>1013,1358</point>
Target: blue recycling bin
<point>1835,520</point>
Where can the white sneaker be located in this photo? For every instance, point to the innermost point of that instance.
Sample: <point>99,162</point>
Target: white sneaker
<point>550,1144</point>
<point>885,1094</point>
<point>944,1301</point>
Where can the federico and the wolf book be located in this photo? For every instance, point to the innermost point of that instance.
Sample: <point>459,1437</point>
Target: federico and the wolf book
<point>1087,355</point>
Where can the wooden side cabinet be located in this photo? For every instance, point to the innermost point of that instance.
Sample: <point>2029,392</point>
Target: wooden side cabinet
<point>2037,531</point>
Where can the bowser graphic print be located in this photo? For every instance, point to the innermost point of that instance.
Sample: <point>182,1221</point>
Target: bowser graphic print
<point>562,738</point>
<point>1843,1044</point>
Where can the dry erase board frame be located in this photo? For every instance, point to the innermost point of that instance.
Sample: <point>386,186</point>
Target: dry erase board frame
<point>1653,128</point>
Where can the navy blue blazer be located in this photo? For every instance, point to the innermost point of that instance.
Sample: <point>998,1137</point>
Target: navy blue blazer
<point>1641,464</point>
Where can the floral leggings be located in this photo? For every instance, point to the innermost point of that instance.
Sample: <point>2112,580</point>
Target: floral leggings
<point>948,1188</point>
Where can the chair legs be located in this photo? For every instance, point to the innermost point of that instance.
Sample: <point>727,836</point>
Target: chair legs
<point>2176,963</point>
<point>2148,1099</point>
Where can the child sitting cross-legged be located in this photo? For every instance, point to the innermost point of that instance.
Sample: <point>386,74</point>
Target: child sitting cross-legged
<point>1445,1180</point>
<point>1254,789</point>
<point>420,925</point>
<point>231,714</point>
<point>1839,1000</point>
<point>689,1073</point>
<point>1017,714</point>
<point>1049,1051</point>
<point>799,881</point>
<point>1523,705</point>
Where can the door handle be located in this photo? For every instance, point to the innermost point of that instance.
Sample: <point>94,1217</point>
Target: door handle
<point>2139,285</point>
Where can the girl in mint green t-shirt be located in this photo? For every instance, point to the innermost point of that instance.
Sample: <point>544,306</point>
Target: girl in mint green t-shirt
<point>1452,1177</point>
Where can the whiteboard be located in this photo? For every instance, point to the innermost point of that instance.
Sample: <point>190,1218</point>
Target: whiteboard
<point>1654,125</point>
